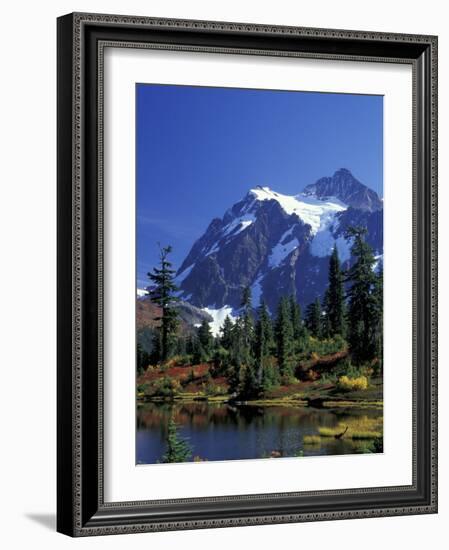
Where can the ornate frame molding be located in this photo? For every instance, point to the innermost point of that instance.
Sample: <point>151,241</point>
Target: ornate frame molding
<point>81,42</point>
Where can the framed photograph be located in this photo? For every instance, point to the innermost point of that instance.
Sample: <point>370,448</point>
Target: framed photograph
<point>247,279</point>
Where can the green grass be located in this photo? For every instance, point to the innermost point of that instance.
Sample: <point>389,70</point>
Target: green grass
<point>358,428</point>
<point>357,404</point>
<point>281,402</point>
<point>365,435</point>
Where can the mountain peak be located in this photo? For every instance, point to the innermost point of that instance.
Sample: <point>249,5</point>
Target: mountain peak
<point>345,187</point>
<point>342,171</point>
<point>278,244</point>
<point>260,190</point>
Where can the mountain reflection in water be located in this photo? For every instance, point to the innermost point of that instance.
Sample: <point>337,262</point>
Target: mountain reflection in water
<point>230,432</point>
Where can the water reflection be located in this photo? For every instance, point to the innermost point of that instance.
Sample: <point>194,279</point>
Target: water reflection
<point>227,432</point>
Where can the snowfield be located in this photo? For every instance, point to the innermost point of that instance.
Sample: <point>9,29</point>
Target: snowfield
<point>238,225</point>
<point>141,292</point>
<point>218,316</point>
<point>309,209</point>
<point>281,251</point>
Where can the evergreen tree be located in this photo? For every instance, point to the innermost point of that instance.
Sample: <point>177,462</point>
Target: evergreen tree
<point>222,362</point>
<point>335,298</point>
<point>235,356</point>
<point>284,339</point>
<point>205,338</point>
<point>178,449</point>
<point>378,318</point>
<point>270,377</point>
<point>247,317</point>
<point>249,386</point>
<point>297,323</point>
<point>190,344</point>
<point>162,293</point>
<point>237,343</point>
<point>142,359</point>
<point>239,358</point>
<point>198,352</point>
<point>181,346</point>
<point>325,329</point>
<point>313,318</point>
<point>247,327</point>
<point>226,333</point>
<point>263,341</point>
<point>363,307</point>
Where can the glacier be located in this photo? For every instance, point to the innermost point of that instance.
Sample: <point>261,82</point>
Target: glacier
<point>309,209</point>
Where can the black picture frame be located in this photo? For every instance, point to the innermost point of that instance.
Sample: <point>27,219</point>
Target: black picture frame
<point>81,510</point>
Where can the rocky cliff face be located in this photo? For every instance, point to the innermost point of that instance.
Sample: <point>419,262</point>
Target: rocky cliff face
<point>279,244</point>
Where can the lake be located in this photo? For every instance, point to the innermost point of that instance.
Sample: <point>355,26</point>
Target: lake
<point>221,431</point>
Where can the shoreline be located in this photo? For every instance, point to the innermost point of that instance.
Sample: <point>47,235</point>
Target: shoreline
<point>318,402</point>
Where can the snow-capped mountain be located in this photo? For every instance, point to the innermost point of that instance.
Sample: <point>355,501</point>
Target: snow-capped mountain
<point>345,186</point>
<point>279,244</point>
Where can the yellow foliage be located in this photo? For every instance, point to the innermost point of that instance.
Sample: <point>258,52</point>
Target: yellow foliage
<point>350,384</point>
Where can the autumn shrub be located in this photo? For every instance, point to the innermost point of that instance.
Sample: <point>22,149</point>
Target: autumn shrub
<point>346,367</point>
<point>345,383</point>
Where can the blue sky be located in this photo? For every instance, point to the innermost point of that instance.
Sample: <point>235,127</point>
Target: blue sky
<point>199,150</point>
